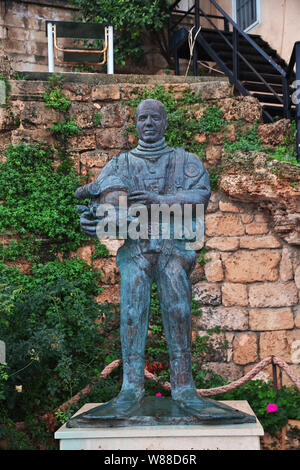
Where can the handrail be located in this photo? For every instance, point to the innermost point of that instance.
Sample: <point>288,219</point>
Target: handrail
<point>247,37</point>
<point>233,71</point>
<point>292,61</point>
<point>244,59</point>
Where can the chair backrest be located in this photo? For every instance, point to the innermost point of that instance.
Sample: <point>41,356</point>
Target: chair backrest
<point>74,30</point>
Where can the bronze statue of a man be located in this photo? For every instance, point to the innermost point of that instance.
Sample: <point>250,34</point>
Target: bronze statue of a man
<point>153,173</point>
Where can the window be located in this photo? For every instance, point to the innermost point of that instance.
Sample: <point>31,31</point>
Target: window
<point>246,13</point>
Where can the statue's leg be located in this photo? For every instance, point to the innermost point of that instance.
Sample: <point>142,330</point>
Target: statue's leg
<point>175,295</point>
<point>135,306</point>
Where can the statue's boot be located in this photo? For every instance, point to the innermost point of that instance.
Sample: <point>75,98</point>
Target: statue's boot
<point>185,395</point>
<point>119,407</point>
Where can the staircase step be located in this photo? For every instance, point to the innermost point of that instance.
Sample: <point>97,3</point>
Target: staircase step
<point>261,87</point>
<point>267,98</point>
<point>278,111</point>
<point>269,78</point>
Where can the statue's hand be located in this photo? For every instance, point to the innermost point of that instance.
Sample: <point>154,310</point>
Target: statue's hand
<point>88,223</point>
<point>145,197</point>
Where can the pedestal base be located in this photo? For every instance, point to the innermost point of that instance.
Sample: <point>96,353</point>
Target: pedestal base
<point>176,437</point>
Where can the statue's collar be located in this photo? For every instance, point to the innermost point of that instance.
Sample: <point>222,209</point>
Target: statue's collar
<point>150,151</point>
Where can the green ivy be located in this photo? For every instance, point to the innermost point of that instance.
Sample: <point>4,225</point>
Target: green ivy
<point>180,116</point>
<point>131,20</point>
<point>100,251</point>
<point>66,128</point>
<point>53,95</point>
<point>38,200</point>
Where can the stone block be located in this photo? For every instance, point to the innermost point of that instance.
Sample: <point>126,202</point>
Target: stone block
<point>283,344</point>
<point>212,91</point>
<point>77,91</point>
<point>213,153</point>
<point>245,348</point>
<point>111,138</point>
<point>27,89</point>
<point>85,141</point>
<point>251,266</point>
<point>231,371</point>
<point>286,267</point>
<point>106,93</point>
<point>228,207</point>
<point>223,243</point>
<point>273,134</point>
<point>215,346</point>
<point>256,228</point>
<point>85,114</point>
<point>297,277</point>
<point>271,319</point>
<point>213,269</point>
<point>35,114</point>
<point>273,295</point>
<point>228,225</point>
<point>234,294</point>
<point>2,92</point>
<point>256,242</point>
<point>297,316</point>
<point>207,293</point>
<point>112,115</point>
<point>229,318</point>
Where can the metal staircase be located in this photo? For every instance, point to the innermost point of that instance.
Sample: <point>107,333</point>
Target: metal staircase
<point>246,59</point>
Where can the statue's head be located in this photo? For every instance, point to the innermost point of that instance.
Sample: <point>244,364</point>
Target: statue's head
<point>151,120</point>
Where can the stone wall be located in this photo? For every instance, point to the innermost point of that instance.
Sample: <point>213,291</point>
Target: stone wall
<point>23,31</point>
<point>250,283</point>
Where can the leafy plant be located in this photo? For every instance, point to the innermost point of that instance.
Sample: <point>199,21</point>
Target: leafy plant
<point>259,394</point>
<point>100,251</point>
<point>53,95</point>
<point>180,116</point>
<point>51,334</point>
<point>131,20</point>
<point>65,128</point>
<point>37,199</point>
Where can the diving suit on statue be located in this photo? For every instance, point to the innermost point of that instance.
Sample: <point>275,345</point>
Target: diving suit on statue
<point>153,173</point>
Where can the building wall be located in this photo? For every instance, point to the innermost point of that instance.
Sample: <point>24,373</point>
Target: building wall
<point>23,31</point>
<point>279,23</point>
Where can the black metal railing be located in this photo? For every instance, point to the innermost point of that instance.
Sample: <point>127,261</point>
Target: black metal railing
<point>238,60</point>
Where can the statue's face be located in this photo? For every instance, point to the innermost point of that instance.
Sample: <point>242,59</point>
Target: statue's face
<point>151,121</point>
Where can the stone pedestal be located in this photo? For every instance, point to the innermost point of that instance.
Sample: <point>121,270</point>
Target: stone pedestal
<point>180,437</point>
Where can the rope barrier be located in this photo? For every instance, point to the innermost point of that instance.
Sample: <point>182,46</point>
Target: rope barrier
<point>204,392</point>
<point>51,420</point>
<point>233,385</point>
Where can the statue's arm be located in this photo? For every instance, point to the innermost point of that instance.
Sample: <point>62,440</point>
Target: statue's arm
<point>196,187</point>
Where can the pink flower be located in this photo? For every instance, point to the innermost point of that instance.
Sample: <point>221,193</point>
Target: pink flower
<point>158,394</point>
<point>271,408</point>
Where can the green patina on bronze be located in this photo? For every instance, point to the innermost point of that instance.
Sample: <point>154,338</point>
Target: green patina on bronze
<point>153,173</point>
